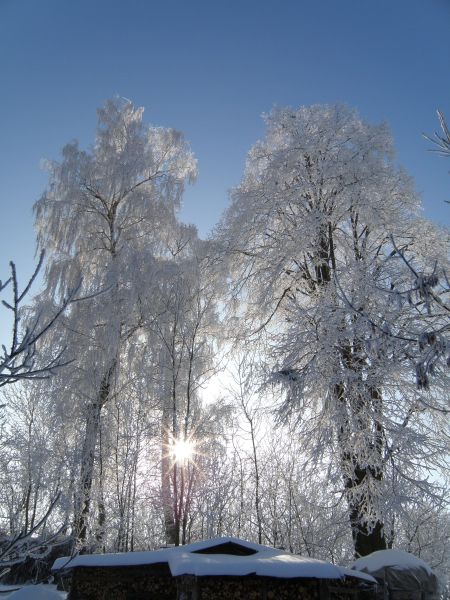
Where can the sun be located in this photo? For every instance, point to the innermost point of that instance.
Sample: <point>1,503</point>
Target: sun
<point>182,451</point>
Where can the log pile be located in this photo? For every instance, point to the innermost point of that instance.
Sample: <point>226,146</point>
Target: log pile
<point>155,581</point>
<point>122,583</point>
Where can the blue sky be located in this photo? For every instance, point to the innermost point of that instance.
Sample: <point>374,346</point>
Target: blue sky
<point>210,68</point>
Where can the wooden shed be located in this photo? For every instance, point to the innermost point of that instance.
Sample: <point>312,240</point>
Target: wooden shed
<point>218,569</point>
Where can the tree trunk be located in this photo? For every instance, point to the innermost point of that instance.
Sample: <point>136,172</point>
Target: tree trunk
<point>166,481</point>
<point>365,539</point>
<point>88,459</point>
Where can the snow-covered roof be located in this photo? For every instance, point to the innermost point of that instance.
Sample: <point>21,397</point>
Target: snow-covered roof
<point>400,571</point>
<point>194,559</point>
<point>390,558</point>
<point>121,559</point>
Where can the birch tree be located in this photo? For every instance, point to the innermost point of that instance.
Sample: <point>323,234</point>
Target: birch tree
<point>312,220</point>
<point>106,214</point>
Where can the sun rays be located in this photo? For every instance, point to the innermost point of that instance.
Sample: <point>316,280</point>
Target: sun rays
<point>182,451</point>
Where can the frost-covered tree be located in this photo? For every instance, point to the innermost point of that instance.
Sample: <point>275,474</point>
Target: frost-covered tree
<point>184,329</point>
<point>442,139</point>
<point>308,237</point>
<point>421,334</point>
<point>425,332</point>
<point>250,425</point>
<point>107,214</point>
<point>19,357</point>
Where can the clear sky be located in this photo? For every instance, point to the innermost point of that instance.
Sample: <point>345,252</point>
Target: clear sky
<point>211,68</point>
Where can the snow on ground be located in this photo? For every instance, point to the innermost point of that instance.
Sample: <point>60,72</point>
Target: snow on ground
<point>31,592</point>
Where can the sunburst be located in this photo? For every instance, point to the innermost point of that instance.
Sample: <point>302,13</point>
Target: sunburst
<point>182,451</point>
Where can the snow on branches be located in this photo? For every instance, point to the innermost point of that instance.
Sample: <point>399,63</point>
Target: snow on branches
<point>20,359</point>
<point>309,243</point>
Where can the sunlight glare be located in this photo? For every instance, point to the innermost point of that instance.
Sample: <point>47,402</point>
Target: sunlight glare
<point>183,451</point>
